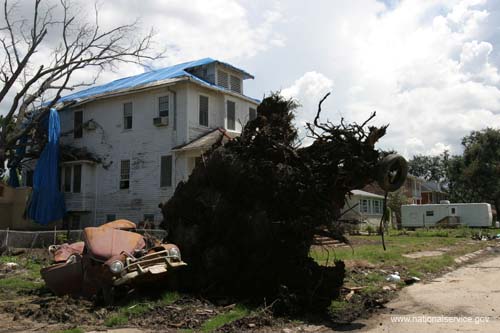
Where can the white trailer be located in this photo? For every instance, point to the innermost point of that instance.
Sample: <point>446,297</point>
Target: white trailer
<point>468,214</point>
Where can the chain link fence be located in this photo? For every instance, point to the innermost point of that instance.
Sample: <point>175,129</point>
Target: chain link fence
<point>43,239</point>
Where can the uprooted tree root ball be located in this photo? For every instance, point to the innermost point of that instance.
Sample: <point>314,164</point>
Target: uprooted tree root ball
<point>246,218</point>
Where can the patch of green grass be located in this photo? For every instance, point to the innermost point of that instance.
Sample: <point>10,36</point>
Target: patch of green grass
<point>338,306</point>
<point>220,320</point>
<point>170,297</point>
<point>18,283</point>
<point>116,320</point>
<point>135,309</point>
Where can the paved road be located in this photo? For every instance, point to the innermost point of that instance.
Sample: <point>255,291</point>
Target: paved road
<point>465,300</point>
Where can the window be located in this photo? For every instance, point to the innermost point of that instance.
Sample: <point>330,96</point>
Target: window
<point>222,79</point>
<point>163,106</point>
<point>235,84</point>
<point>231,116</point>
<point>429,213</point>
<point>71,177</point>
<point>203,111</point>
<point>67,179</point>
<point>149,217</point>
<point>110,217</point>
<point>166,171</point>
<point>364,206</point>
<point>127,115</point>
<point>29,178</point>
<point>453,210</point>
<point>78,124</point>
<point>125,174</point>
<point>252,114</point>
<point>377,207</point>
<point>77,178</point>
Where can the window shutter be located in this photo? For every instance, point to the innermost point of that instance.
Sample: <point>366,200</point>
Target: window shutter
<point>231,116</point>
<point>77,178</point>
<point>203,116</point>
<point>166,171</point>
<point>252,114</point>
<point>78,124</point>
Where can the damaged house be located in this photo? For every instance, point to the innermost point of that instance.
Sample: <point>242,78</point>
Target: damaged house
<point>131,141</point>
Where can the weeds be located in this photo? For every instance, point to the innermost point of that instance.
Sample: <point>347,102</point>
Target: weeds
<point>222,319</point>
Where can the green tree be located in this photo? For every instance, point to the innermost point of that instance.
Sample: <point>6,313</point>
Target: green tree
<point>394,202</point>
<point>432,168</point>
<point>480,166</point>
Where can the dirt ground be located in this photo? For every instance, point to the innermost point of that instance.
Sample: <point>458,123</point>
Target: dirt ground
<point>470,291</point>
<point>466,299</point>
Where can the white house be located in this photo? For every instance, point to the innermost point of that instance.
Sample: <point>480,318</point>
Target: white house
<point>364,207</point>
<point>136,138</point>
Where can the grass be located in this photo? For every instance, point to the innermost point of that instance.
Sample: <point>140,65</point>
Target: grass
<point>18,283</point>
<point>123,314</point>
<point>238,312</point>
<point>116,320</point>
<point>170,297</point>
<point>369,249</point>
<point>136,309</point>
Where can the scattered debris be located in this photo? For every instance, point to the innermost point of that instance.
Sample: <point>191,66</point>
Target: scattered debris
<point>411,280</point>
<point>10,266</point>
<point>394,277</point>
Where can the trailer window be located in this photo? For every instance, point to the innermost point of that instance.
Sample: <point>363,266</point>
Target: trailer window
<point>453,210</point>
<point>429,213</point>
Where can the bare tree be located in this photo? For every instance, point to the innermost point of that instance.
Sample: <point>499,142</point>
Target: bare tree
<point>30,88</point>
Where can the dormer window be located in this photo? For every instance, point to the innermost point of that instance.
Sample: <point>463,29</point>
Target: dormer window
<point>222,79</point>
<point>235,84</point>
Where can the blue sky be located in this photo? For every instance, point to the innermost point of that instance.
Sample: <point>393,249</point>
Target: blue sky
<point>428,67</point>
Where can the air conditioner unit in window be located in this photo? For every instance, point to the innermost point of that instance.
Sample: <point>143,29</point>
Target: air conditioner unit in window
<point>160,121</point>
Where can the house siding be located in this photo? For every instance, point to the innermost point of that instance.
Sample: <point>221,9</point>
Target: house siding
<point>143,145</point>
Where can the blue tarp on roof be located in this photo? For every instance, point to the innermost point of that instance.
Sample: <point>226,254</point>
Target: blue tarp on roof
<point>47,203</point>
<point>171,72</point>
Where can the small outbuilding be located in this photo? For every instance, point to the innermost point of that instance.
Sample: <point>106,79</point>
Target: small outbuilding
<point>364,207</point>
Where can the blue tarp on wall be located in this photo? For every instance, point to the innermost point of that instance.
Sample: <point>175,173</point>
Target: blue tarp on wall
<point>47,202</point>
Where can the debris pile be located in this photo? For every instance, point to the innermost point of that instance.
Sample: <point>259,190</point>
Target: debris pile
<point>247,216</point>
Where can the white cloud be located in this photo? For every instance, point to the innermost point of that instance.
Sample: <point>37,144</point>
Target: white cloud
<point>308,90</point>
<point>423,65</point>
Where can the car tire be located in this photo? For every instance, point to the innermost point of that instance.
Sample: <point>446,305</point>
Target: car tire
<point>392,172</point>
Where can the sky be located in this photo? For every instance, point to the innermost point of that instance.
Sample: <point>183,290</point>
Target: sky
<point>429,68</point>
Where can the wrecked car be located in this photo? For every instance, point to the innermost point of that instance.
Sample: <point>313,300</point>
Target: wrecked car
<point>110,256</point>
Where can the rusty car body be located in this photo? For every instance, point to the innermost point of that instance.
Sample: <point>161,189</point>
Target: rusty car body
<point>110,256</point>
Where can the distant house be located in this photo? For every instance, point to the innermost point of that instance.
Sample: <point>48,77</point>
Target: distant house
<point>412,189</point>
<point>364,207</point>
<point>136,138</point>
<point>432,193</point>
